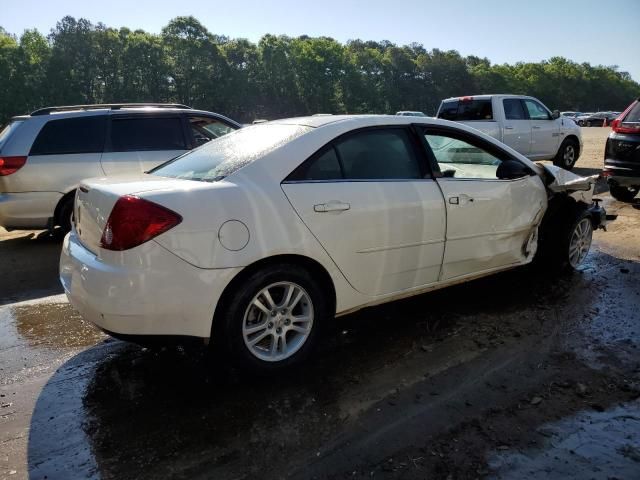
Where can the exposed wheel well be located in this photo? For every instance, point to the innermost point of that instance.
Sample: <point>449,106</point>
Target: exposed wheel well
<point>315,268</point>
<point>61,202</point>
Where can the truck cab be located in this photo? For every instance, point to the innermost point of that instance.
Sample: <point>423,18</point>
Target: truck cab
<point>521,122</point>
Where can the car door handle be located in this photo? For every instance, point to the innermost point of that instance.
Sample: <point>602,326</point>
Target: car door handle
<point>536,127</point>
<point>460,199</point>
<point>332,206</point>
<point>507,127</point>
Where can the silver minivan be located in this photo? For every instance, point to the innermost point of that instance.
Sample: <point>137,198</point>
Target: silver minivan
<point>45,155</point>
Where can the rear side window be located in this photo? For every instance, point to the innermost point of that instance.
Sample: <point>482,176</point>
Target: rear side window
<point>324,165</point>
<point>71,135</point>
<point>379,154</point>
<point>8,130</point>
<point>466,110</point>
<point>513,109</point>
<point>136,134</point>
<point>634,114</point>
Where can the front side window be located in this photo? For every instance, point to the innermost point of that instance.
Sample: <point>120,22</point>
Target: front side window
<point>536,111</point>
<point>146,133</point>
<point>216,160</point>
<point>71,135</point>
<point>457,158</point>
<point>513,109</point>
<point>205,129</point>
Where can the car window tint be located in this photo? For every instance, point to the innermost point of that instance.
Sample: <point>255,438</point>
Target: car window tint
<point>465,110</point>
<point>131,134</point>
<point>71,135</point>
<point>634,114</point>
<point>513,109</point>
<point>536,111</point>
<point>324,165</point>
<point>459,159</point>
<point>207,128</point>
<point>378,154</point>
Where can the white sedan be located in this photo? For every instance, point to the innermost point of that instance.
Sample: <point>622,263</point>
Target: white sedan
<point>256,240</point>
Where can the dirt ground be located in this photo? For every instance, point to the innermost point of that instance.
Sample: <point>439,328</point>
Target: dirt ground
<point>519,375</point>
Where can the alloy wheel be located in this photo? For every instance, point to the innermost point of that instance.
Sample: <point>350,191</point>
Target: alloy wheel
<point>278,321</point>
<point>580,242</point>
<point>569,155</point>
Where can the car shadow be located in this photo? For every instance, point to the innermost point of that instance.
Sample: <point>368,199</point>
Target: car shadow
<point>119,411</point>
<point>29,266</point>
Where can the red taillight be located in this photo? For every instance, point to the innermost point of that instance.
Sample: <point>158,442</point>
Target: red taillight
<point>619,127</point>
<point>9,165</point>
<point>134,221</point>
<point>466,99</point>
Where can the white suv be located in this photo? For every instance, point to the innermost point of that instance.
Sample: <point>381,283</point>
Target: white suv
<point>45,155</point>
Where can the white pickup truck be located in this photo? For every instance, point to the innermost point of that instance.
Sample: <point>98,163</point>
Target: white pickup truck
<point>521,122</point>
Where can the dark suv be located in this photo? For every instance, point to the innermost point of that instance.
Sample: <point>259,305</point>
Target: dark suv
<point>622,154</point>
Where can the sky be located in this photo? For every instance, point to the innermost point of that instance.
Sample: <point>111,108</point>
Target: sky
<point>505,31</point>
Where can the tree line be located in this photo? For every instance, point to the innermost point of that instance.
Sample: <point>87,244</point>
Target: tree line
<point>79,62</point>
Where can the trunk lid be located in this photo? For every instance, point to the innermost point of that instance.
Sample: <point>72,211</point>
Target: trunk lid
<point>96,197</point>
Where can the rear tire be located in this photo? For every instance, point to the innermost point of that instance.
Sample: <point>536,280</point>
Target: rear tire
<point>65,212</point>
<point>568,154</point>
<point>623,194</point>
<point>273,321</point>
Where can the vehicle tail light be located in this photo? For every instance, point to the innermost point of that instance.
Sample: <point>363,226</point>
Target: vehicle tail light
<point>619,127</point>
<point>9,165</point>
<point>134,221</point>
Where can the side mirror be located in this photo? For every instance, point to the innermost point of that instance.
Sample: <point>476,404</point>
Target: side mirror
<point>555,114</point>
<point>512,169</point>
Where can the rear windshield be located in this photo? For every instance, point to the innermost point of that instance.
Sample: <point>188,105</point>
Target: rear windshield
<point>8,130</point>
<point>465,110</point>
<point>219,158</point>
<point>632,116</point>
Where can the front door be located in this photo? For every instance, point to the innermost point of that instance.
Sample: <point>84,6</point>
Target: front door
<point>491,223</point>
<point>367,201</point>
<point>545,131</point>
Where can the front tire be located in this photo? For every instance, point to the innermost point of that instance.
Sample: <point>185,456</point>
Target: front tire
<point>565,237</point>
<point>623,194</point>
<point>568,154</point>
<point>273,321</point>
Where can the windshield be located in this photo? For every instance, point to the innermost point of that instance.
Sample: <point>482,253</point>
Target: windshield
<point>6,131</point>
<point>220,158</point>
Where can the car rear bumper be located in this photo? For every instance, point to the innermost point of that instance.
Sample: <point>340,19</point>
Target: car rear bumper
<point>143,291</point>
<point>27,210</point>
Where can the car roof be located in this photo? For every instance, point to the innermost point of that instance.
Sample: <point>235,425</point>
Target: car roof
<point>118,109</point>
<point>486,96</point>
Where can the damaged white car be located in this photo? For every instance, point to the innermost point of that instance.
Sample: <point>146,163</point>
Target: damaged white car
<point>258,239</point>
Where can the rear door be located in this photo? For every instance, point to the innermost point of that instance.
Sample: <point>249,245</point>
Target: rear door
<point>368,199</point>
<point>517,126</point>
<point>139,142</point>
<point>491,223</point>
<point>545,131</point>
